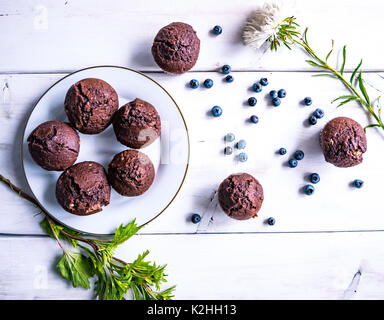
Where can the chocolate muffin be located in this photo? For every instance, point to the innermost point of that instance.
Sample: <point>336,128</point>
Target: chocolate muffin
<point>137,124</point>
<point>176,48</point>
<point>131,173</point>
<point>90,105</point>
<point>343,142</point>
<point>83,189</point>
<point>54,145</point>
<point>240,196</point>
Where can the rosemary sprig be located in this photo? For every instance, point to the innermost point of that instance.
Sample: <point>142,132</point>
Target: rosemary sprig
<point>94,259</point>
<point>288,34</point>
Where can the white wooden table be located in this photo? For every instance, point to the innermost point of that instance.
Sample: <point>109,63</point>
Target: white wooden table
<point>328,246</point>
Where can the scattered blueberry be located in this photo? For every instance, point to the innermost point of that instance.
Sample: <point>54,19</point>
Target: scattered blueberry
<point>208,83</point>
<point>264,81</point>
<point>318,113</point>
<point>273,94</point>
<point>254,119</point>
<point>194,84</point>
<point>309,189</point>
<point>276,102</point>
<point>243,157</point>
<point>217,30</point>
<point>257,87</point>
<point>226,69</point>
<point>229,78</point>
<point>252,101</point>
<point>229,137</point>
<point>228,151</point>
<point>358,183</point>
<point>314,178</point>
<point>307,101</point>
<point>282,151</point>
<point>271,221</point>
<point>241,144</point>
<point>217,111</point>
<point>292,163</point>
<point>312,120</point>
<point>298,155</point>
<point>282,93</point>
<point>196,218</point>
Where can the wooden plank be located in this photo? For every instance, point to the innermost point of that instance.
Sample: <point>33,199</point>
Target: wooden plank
<point>239,266</point>
<point>46,36</point>
<point>335,206</point>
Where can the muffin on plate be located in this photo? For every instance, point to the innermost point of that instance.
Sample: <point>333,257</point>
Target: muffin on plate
<point>131,173</point>
<point>90,105</point>
<point>54,145</point>
<point>240,196</point>
<point>176,48</point>
<point>83,188</point>
<point>137,124</point>
<point>343,142</point>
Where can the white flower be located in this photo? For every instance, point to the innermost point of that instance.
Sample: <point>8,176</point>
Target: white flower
<point>263,23</point>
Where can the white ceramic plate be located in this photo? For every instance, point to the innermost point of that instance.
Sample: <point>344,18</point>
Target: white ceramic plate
<point>169,154</point>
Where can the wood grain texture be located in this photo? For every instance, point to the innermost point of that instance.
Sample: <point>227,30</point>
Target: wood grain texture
<point>48,36</point>
<point>335,206</point>
<point>258,266</point>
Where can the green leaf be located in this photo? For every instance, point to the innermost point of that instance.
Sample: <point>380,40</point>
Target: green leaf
<point>325,75</point>
<point>371,126</point>
<point>76,268</point>
<point>362,89</point>
<point>355,71</point>
<point>330,52</point>
<point>313,63</point>
<point>344,59</point>
<point>122,234</point>
<point>347,100</point>
<point>343,97</point>
<point>48,226</point>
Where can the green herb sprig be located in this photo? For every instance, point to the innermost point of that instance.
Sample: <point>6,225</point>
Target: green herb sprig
<point>95,258</point>
<point>288,34</point>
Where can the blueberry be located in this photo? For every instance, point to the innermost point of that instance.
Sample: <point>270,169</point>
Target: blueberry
<point>241,144</point>
<point>282,151</point>
<point>257,87</point>
<point>208,83</point>
<point>292,163</point>
<point>254,119</point>
<point>229,78</point>
<point>252,101</point>
<point>282,93</point>
<point>217,30</point>
<point>243,157</point>
<point>358,183</point>
<point>216,111</point>
<point>312,120</point>
<point>271,221</point>
<point>298,155</point>
<point>307,101</point>
<point>276,102</point>
<point>318,113</point>
<point>196,218</point>
<point>228,151</point>
<point>314,178</point>
<point>273,94</point>
<point>226,69</point>
<point>309,189</point>
<point>229,137</point>
<point>194,84</point>
<point>264,81</point>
